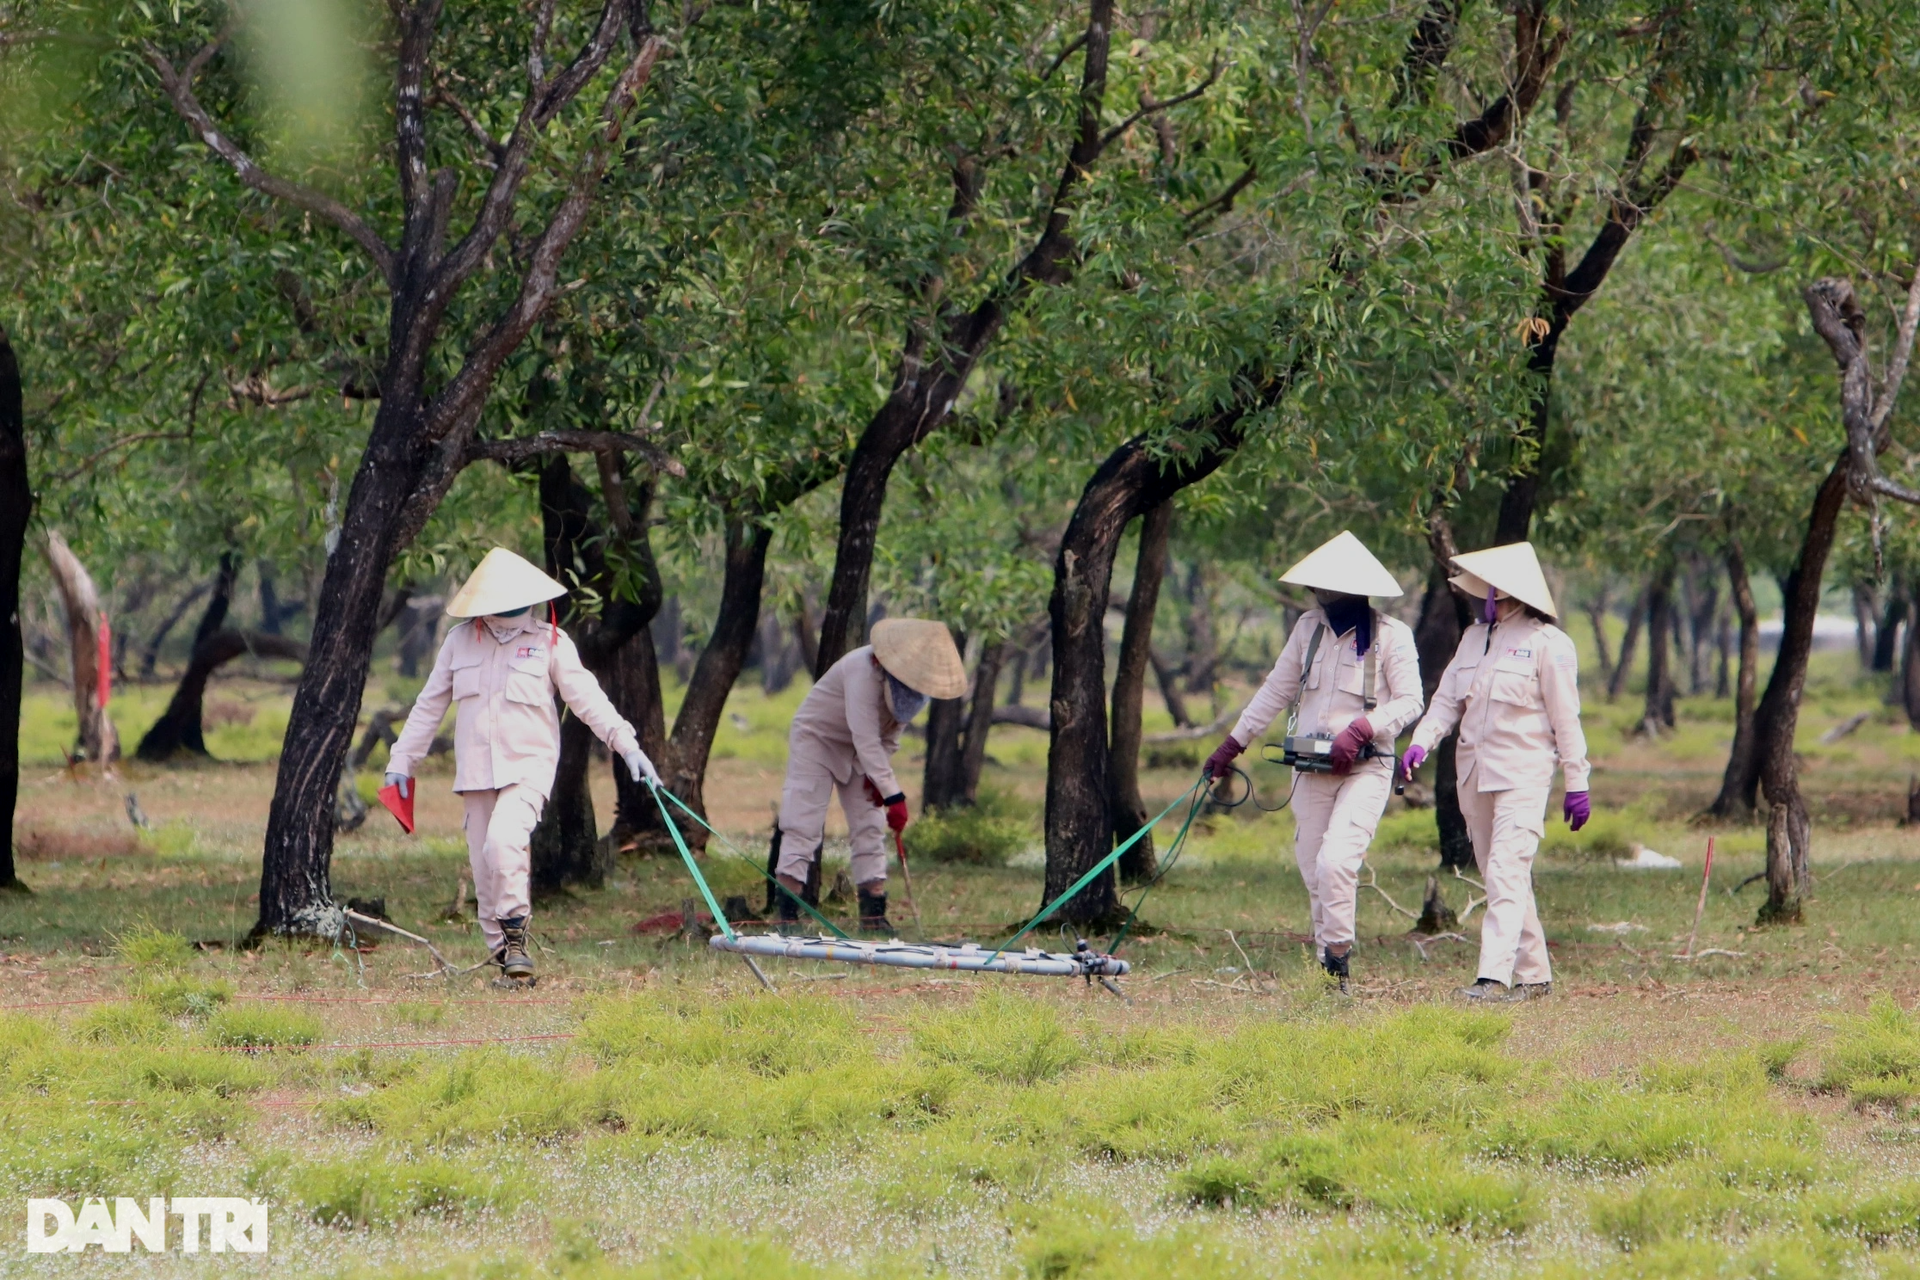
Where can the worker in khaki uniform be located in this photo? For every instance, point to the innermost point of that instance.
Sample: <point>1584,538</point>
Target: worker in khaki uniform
<point>1513,690</point>
<point>1352,677</point>
<point>843,739</point>
<point>503,671</point>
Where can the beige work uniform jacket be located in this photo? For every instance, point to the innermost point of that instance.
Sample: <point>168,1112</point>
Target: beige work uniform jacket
<point>1513,689</point>
<point>508,731</point>
<point>1335,690</point>
<point>844,725</point>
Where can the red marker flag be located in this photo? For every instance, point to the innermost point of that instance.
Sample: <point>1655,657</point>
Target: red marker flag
<point>398,805</point>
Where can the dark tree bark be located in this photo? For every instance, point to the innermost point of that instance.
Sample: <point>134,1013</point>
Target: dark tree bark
<point>1629,645</point>
<point>150,655</point>
<point>1886,630</point>
<point>1864,411</point>
<point>937,359</point>
<point>1167,676</point>
<point>1596,611</point>
<point>16,508</point>
<point>1131,482</point>
<point>683,764</point>
<point>1658,713</point>
<point>1736,795</point>
<point>423,431</point>
<point>1703,609</point>
<point>973,754</point>
<point>1444,617</point>
<point>1138,864</point>
<point>942,780</point>
<point>566,848</point>
<point>1203,647</point>
<point>1910,666</point>
<point>179,730</point>
<point>274,615</point>
<point>1563,292</point>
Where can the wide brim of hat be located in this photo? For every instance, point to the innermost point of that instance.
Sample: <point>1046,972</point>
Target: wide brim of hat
<point>502,583</point>
<point>1343,564</point>
<point>920,654</point>
<point>1513,569</point>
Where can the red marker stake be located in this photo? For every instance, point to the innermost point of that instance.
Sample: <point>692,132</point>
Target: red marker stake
<point>906,877</point>
<point>1700,907</point>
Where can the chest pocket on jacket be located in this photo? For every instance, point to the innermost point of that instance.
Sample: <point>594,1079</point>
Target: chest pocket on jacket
<point>1353,680</point>
<point>1461,679</point>
<point>466,677</point>
<point>1516,686</point>
<point>527,681</point>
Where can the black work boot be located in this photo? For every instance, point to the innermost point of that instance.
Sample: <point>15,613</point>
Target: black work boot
<point>789,922</point>
<point>515,963</point>
<point>1337,967</point>
<point>873,914</point>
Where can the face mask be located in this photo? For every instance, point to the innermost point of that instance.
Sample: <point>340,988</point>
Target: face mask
<point>504,626</point>
<point>903,702</point>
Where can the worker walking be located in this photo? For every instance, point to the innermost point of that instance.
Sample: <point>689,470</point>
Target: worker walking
<point>503,672</point>
<point>1513,691</point>
<point>843,739</point>
<point>1352,677</point>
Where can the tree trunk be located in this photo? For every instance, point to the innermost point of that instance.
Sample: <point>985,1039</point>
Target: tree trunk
<point>634,686</point>
<point>1203,648</point>
<point>1865,608</point>
<point>1522,494</point>
<point>97,740</point>
<point>1129,483</point>
<point>1736,797</point>
<point>1443,619</point>
<point>973,754</point>
<point>1660,617</point>
<point>1629,643</point>
<point>150,656</point>
<point>1910,666</point>
<point>1596,611</point>
<point>944,781</point>
<point>566,848</point>
<point>1703,594</point>
<point>1775,769</point>
<point>1138,865</point>
<point>180,727</point>
<point>1886,631</point>
<point>1168,678</point>
<point>16,508</point>
<point>683,765</point>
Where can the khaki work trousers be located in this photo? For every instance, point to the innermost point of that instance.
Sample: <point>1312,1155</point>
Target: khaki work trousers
<point>803,821</point>
<point>499,827</point>
<point>1334,821</point>
<point>1505,827</point>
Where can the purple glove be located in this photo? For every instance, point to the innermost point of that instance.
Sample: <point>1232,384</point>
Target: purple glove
<point>1222,757</point>
<point>1415,757</point>
<point>1346,746</point>
<point>1577,808</point>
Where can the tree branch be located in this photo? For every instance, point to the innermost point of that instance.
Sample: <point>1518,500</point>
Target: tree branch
<point>1148,108</point>
<point>520,448</point>
<point>459,402</point>
<point>179,89</point>
<point>1902,356</point>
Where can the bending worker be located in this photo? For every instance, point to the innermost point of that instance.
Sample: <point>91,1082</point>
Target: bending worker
<point>843,738</point>
<point>502,672</point>
<point>1513,690</point>
<point>1352,677</point>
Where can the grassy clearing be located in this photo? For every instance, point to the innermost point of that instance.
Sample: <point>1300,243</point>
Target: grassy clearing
<point>1752,1114</point>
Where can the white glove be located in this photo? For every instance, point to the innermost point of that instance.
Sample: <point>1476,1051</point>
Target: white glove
<point>639,768</point>
<point>401,781</point>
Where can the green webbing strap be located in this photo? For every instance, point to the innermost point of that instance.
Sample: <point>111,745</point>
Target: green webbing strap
<point>737,852</point>
<point>686,856</point>
<point>1098,867</point>
<point>1166,864</point>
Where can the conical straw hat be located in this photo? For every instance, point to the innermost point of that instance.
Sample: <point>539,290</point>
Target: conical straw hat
<point>1513,569</point>
<point>1343,564</point>
<point>502,583</point>
<point>920,655</point>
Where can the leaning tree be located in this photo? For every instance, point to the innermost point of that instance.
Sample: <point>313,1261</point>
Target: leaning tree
<point>467,277</point>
